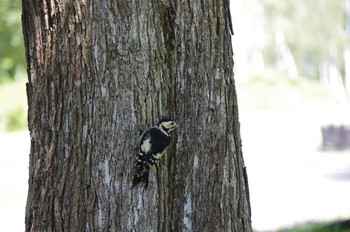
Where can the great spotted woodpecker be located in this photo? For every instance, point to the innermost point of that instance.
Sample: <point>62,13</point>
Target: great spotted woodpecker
<point>152,147</point>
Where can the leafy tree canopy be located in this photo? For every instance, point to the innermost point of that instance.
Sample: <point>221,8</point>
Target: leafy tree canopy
<point>314,31</point>
<point>11,39</point>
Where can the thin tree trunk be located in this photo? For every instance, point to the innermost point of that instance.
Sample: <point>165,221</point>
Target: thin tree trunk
<point>102,71</point>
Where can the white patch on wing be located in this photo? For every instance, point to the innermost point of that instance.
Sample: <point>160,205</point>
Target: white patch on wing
<point>146,145</point>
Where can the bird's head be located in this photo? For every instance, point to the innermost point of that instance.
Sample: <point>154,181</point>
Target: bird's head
<point>167,124</point>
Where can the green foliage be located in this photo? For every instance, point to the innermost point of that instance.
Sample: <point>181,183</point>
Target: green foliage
<point>13,105</point>
<point>314,31</point>
<point>11,40</point>
<point>16,119</point>
<point>274,90</point>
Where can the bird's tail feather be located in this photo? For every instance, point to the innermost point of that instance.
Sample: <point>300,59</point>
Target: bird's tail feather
<point>139,179</point>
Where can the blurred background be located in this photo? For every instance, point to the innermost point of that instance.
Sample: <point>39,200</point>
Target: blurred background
<point>292,71</point>
<point>14,137</point>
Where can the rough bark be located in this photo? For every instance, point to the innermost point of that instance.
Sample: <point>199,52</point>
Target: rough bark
<point>99,72</point>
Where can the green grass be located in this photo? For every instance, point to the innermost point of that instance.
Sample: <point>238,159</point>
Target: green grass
<point>13,105</point>
<point>335,226</point>
<point>273,89</point>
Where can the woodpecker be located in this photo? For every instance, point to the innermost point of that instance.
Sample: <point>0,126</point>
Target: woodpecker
<point>152,147</point>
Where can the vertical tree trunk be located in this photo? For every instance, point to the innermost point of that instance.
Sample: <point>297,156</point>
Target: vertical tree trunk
<point>102,71</point>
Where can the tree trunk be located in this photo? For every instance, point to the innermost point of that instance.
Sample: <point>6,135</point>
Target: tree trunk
<point>102,71</point>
